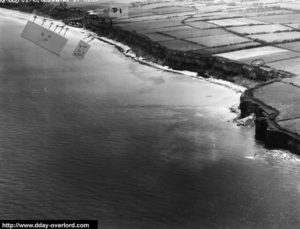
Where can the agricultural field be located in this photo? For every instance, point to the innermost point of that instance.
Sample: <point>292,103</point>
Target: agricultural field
<point>293,125</point>
<point>257,29</point>
<point>280,19</point>
<point>213,16</point>
<point>204,8</point>
<point>138,12</point>
<point>252,53</point>
<point>293,80</point>
<point>257,13</point>
<point>291,65</point>
<point>288,55</point>
<point>232,47</point>
<point>172,10</point>
<point>295,46</point>
<point>180,45</point>
<point>152,30</point>
<point>158,37</point>
<point>268,54</point>
<point>198,29</point>
<point>189,33</point>
<point>154,24</point>
<point>235,22</point>
<point>294,25</point>
<point>269,95</point>
<point>276,37</point>
<point>219,40</point>
<point>292,6</point>
<point>201,24</point>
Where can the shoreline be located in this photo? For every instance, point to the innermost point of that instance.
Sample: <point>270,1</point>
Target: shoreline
<point>216,66</point>
<point>126,50</point>
<point>204,64</point>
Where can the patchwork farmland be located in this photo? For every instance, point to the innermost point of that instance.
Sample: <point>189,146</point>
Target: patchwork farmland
<point>243,42</point>
<point>189,33</point>
<point>219,40</point>
<point>259,29</point>
<point>262,37</point>
<point>276,37</point>
<point>217,29</point>
<point>236,22</point>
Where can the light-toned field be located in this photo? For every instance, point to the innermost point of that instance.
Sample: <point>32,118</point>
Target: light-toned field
<point>189,33</point>
<point>288,55</point>
<point>265,13</point>
<point>292,6</point>
<point>291,65</point>
<point>276,37</point>
<point>295,46</point>
<point>236,22</point>
<point>172,10</point>
<point>260,29</point>
<point>294,25</point>
<point>252,53</point>
<point>201,24</point>
<point>212,8</point>
<point>232,47</point>
<point>214,16</point>
<point>293,80</point>
<point>180,45</point>
<point>219,40</point>
<point>285,104</point>
<point>293,125</point>
<point>281,19</point>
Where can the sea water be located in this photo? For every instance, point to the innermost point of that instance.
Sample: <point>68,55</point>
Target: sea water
<point>130,145</point>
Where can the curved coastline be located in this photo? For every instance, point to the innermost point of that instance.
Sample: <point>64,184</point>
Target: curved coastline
<point>266,127</point>
<point>126,50</point>
<point>228,73</point>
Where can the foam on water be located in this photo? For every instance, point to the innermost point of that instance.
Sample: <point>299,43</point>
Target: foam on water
<point>94,147</point>
<point>274,154</point>
<point>128,52</point>
<point>282,155</point>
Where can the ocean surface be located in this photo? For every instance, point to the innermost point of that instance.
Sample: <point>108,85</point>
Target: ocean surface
<point>130,145</point>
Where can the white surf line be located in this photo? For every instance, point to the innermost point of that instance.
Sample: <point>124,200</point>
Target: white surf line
<point>126,50</point>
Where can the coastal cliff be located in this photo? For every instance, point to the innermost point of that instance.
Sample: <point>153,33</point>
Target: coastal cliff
<point>205,64</point>
<point>268,128</point>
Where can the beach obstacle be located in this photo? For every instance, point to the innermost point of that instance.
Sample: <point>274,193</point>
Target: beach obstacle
<point>43,22</point>
<point>62,27</point>
<point>81,50</point>
<point>66,31</point>
<point>44,38</point>
<point>53,40</point>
